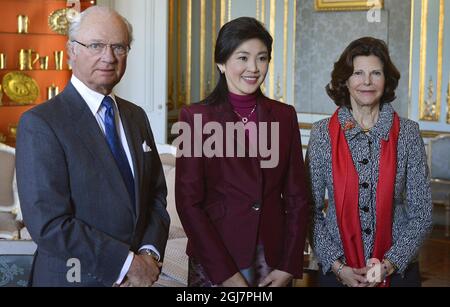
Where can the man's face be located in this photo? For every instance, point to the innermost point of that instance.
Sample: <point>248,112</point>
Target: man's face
<point>100,71</point>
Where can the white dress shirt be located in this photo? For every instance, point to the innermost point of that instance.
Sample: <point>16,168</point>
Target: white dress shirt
<point>94,102</point>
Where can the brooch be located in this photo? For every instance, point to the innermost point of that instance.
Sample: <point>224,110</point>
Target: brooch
<point>349,125</point>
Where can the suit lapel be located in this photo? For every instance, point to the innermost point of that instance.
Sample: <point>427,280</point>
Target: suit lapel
<point>134,140</point>
<point>86,126</point>
<point>264,116</point>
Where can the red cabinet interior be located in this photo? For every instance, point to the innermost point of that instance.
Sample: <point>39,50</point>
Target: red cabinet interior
<point>41,39</point>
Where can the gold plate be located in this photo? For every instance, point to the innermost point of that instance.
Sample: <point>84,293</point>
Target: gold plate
<point>58,21</point>
<point>20,88</point>
<point>12,128</point>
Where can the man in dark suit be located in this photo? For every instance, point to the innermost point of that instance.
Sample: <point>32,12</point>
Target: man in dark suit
<point>90,180</point>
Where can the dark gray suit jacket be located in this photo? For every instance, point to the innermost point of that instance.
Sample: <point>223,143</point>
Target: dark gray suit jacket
<point>74,201</point>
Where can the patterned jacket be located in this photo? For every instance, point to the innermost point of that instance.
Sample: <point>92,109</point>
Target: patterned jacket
<point>412,216</point>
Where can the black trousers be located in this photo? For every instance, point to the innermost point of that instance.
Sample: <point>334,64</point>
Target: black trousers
<point>411,278</point>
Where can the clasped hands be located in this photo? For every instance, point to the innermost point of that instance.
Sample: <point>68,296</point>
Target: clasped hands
<point>143,272</point>
<point>370,276</point>
<point>276,278</point>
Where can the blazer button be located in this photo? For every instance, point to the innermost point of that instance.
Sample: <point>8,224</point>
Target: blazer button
<point>365,185</point>
<point>365,209</point>
<point>256,207</point>
<point>365,161</point>
<point>368,231</point>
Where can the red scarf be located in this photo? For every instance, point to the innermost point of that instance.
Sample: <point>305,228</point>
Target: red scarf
<point>346,194</point>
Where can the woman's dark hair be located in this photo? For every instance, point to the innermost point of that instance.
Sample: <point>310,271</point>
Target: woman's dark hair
<point>231,36</point>
<point>343,69</point>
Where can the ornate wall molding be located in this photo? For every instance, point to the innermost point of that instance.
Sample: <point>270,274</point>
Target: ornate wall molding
<point>430,58</point>
<point>346,5</point>
<point>430,105</point>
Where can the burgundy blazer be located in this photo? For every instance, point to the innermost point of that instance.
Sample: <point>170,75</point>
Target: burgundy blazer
<point>228,205</point>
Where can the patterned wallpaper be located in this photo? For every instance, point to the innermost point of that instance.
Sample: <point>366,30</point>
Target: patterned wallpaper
<point>321,38</point>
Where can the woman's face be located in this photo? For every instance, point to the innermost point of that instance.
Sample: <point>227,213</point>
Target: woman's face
<point>366,84</point>
<point>246,68</point>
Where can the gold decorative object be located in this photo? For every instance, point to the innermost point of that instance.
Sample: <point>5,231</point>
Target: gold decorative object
<point>52,91</point>
<point>20,88</point>
<point>59,20</point>
<point>26,59</point>
<point>22,24</point>
<point>347,5</point>
<point>2,138</point>
<point>12,129</point>
<point>43,62</point>
<point>2,61</point>
<point>59,56</point>
<point>1,94</point>
<point>430,104</point>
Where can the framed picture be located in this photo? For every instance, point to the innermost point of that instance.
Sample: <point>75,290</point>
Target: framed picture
<point>347,5</point>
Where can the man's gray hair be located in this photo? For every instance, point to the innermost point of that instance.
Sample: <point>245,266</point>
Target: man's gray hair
<point>77,20</point>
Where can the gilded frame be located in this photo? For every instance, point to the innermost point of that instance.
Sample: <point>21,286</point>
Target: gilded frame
<point>347,5</point>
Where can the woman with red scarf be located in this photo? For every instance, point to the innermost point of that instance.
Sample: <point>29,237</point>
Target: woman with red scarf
<point>373,165</point>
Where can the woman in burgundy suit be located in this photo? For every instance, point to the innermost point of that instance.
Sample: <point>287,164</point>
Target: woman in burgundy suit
<point>244,211</point>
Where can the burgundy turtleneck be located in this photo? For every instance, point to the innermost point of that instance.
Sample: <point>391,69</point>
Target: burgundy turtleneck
<point>244,104</point>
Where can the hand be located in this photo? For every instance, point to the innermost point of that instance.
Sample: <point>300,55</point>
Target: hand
<point>277,278</point>
<point>144,271</point>
<point>350,277</point>
<point>125,284</point>
<point>377,272</point>
<point>237,280</point>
